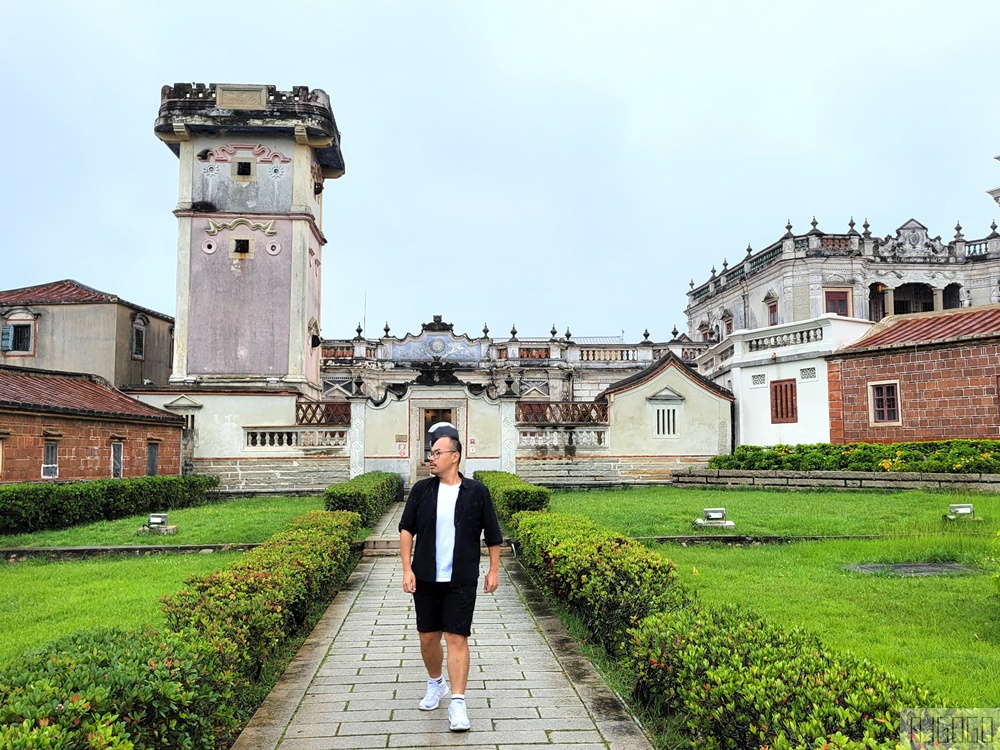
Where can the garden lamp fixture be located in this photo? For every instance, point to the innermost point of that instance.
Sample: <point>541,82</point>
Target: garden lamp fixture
<point>157,520</point>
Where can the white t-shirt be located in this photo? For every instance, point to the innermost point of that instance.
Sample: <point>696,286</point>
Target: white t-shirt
<point>445,531</point>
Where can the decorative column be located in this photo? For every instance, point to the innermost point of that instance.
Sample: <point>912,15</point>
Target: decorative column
<point>938,298</point>
<point>356,436</point>
<point>508,435</point>
<point>888,302</point>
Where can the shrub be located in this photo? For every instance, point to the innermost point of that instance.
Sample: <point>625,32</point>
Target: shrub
<point>741,682</point>
<point>251,607</point>
<point>512,495</point>
<point>37,506</point>
<point>368,495</point>
<point>944,456</point>
<point>120,689</point>
<point>611,581</point>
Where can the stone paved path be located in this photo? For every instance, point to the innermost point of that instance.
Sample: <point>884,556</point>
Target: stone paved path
<point>357,680</point>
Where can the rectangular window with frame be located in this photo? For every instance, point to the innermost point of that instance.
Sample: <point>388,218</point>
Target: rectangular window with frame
<point>837,301</point>
<point>152,459</point>
<point>772,314</point>
<point>784,402</point>
<point>666,421</point>
<point>885,402</point>
<point>50,460</point>
<point>138,343</point>
<point>16,338</point>
<point>117,460</point>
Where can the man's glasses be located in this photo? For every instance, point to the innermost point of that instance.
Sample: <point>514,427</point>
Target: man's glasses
<point>437,454</point>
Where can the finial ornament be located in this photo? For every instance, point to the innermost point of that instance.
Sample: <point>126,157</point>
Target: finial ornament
<point>513,333</point>
<point>958,231</point>
<point>749,250</point>
<point>691,283</point>
<point>386,329</point>
<point>788,226</point>
<point>645,335</point>
<point>486,330</point>
<point>568,334</point>
<point>725,264</point>
<point>814,222</point>
<point>359,329</point>
<point>851,223</point>
<point>674,332</point>
<point>553,331</point>
<point>867,232</point>
<point>713,271</point>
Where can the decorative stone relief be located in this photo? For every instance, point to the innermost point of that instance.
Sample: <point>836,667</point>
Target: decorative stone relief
<point>262,153</point>
<point>439,347</point>
<point>357,437</point>
<point>508,436</point>
<point>214,227</point>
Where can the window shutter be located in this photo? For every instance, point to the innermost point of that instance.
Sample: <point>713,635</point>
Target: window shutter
<point>6,337</point>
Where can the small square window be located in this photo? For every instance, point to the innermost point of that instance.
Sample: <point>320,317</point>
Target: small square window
<point>885,402</point>
<point>243,168</point>
<point>666,421</point>
<point>242,246</point>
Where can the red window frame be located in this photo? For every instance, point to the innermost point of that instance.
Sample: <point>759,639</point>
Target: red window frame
<point>784,402</point>
<point>837,302</point>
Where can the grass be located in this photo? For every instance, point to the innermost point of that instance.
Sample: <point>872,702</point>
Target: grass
<point>942,630</point>
<point>240,521</point>
<point>669,511</point>
<point>41,601</point>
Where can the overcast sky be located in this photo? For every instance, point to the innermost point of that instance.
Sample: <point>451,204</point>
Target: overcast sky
<point>530,163</point>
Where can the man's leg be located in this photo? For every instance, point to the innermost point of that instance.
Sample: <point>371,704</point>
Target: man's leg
<point>458,661</point>
<point>432,654</point>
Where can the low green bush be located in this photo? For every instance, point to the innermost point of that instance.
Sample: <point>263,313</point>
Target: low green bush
<point>741,682</point>
<point>118,689</point>
<point>368,495</point>
<point>511,494</point>
<point>611,581</point>
<point>942,457</point>
<point>29,507</point>
<point>248,609</point>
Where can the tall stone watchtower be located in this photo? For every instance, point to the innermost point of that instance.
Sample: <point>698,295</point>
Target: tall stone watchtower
<point>249,241</point>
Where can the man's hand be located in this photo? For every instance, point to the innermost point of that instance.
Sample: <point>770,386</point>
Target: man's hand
<point>409,582</point>
<point>491,581</point>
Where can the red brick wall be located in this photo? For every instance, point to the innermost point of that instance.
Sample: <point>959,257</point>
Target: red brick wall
<point>84,447</point>
<point>944,393</point>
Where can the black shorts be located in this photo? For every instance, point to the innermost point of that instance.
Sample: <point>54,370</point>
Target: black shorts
<point>445,606</point>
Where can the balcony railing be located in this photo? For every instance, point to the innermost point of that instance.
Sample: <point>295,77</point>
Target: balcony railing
<point>561,438</point>
<point>283,438</point>
<point>561,412</point>
<point>609,355</point>
<point>323,412</point>
<point>792,338</point>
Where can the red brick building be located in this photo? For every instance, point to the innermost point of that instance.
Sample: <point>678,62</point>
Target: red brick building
<point>69,426</point>
<point>919,377</point>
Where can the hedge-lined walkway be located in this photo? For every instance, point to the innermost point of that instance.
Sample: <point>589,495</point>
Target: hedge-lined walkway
<point>357,680</point>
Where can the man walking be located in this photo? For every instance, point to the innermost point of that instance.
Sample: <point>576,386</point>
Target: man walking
<point>446,515</point>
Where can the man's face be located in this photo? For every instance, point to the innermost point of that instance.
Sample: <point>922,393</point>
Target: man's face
<point>443,461</point>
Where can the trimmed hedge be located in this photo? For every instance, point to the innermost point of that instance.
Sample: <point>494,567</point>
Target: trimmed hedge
<point>248,609</point>
<point>610,581</point>
<point>738,681</point>
<point>185,686</point>
<point>29,507</point>
<point>741,682</point>
<point>369,495</point>
<point>938,457</point>
<point>512,495</point>
<point>114,688</point>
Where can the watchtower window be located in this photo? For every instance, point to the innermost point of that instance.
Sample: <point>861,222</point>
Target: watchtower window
<point>243,246</point>
<point>243,168</point>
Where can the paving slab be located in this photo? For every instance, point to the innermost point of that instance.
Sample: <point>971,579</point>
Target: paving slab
<point>356,681</point>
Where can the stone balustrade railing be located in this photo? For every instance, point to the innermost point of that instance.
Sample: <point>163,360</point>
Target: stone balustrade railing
<point>790,338</point>
<point>560,438</point>
<point>609,355</point>
<point>300,436</point>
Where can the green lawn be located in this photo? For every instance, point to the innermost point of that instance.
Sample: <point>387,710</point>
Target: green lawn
<point>944,631</point>
<point>41,601</point>
<point>244,520</point>
<point>669,511</point>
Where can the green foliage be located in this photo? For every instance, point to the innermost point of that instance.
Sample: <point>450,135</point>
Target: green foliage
<point>117,689</point>
<point>369,495</point>
<point>942,457</point>
<point>611,581</point>
<point>511,494</point>
<point>250,608</point>
<point>36,506</point>
<point>742,682</point>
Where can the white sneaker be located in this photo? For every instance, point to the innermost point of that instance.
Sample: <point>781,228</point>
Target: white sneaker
<point>435,692</point>
<point>458,717</point>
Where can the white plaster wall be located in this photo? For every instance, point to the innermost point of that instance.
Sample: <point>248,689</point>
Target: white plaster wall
<point>754,404</point>
<point>484,426</point>
<point>220,421</point>
<point>703,424</point>
<point>382,426</point>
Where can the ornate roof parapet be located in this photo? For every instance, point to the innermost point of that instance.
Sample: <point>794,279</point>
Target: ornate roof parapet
<point>189,108</point>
